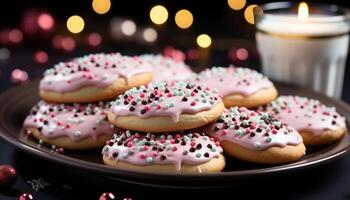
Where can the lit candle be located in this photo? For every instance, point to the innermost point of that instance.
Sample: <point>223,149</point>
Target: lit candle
<point>304,47</point>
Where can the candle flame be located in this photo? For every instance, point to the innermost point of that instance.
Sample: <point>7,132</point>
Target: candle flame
<point>303,11</point>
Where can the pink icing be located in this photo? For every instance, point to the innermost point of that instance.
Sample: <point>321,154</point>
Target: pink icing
<point>253,130</point>
<point>100,70</point>
<point>165,99</point>
<point>305,114</point>
<point>232,80</point>
<point>77,121</point>
<point>148,149</point>
<point>167,69</point>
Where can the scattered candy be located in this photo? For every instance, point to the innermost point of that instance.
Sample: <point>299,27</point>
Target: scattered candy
<point>107,196</point>
<point>26,196</point>
<point>8,176</point>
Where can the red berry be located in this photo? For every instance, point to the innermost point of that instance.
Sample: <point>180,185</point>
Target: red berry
<point>8,176</point>
<point>26,196</point>
<point>107,196</point>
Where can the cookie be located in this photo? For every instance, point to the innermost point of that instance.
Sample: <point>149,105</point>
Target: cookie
<point>317,123</point>
<point>163,107</point>
<point>190,152</point>
<point>93,77</point>
<point>167,69</point>
<point>71,126</point>
<point>256,137</point>
<point>239,86</point>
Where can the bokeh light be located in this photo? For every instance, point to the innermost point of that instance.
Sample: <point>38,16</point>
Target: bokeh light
<point>193,54</point>
<point>40,57</point>
<point>94,39</point>
<point>19,76</point>
<point>101,6</point>
<point>150,34</point>
<point>75,24</point>
<point>128,27</point>
<point>204,40</point>
<point>184,18</point>
<point>45,21</point>
<point>4,54</point>
<point>57,41</point>
<point>68,44</point>
<point>173,53</point>
<point>15,36</point>
<point>236,4</point>
<point>249,14</point>
<point>158,14</point>
<point>242,54</point>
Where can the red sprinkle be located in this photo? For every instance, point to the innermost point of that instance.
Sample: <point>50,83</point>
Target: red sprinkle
<point>192,144</point>
<point>142,155</point>
<point>174,148</point>
<point>129,144</point>
<point>193,103</point>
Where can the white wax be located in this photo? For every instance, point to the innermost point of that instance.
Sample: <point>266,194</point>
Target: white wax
<point>315,25</point>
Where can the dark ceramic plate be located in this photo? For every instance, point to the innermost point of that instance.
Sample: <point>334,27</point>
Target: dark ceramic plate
<point>16,103</point>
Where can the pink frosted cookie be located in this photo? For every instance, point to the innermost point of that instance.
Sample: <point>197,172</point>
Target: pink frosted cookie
<point>317,123</point>
<point>71,126</point>
<point>239,86</point>
<point>93,77</point>
<point>191,152</point>
<point>162,107</point>
<point>256,137</point>
<point>167,69</point>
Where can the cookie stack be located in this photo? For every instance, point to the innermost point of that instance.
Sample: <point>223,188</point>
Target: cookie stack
<point>158,121</point>
<point>73,112</point>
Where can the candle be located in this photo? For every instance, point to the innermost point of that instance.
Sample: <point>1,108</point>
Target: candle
<point>302,45</point>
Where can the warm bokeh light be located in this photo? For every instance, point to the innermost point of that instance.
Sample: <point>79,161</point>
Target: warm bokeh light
<point>204,40</point>
<point>94,39</point>
<point>101,6</point>
<point>184,18</point>
<point>303,11</point>
<point>68,44</point>
<point>193,54</point>
<point>15,36</point>
<point>249,14</point>
<point>45,21</point>
<point>57,41</point>
<point>150,35</point>
<point>128,27</point>
<point>158,14</point>
<point>242,54</point>
<point>75,24</point>
<point>40,57</point>
<point>236,4</point>
<point>18,76</point>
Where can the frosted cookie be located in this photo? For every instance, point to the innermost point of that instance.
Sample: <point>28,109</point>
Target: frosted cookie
<point>93,77</point>
<point>71,126</point>
<point>163,107</point>
<point>256,137</point>
<point>167,69</point>
<point>316,122</point>
<point>239,86</point>
<point>192,152</point>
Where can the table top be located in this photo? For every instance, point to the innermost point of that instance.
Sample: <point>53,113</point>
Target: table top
<point>49,181</point>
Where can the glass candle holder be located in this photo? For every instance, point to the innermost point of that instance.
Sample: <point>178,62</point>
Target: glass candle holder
<point>304,46</point>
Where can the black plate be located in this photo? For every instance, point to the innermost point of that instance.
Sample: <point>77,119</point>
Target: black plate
<point>16,103</point>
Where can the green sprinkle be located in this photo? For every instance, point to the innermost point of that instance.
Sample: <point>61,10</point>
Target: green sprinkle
<point>198,155</point>
<point>268,139</point>
<point>149,160</point>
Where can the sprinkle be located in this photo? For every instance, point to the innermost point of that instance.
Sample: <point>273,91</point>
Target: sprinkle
<point>149,160</point>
